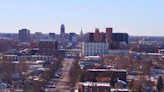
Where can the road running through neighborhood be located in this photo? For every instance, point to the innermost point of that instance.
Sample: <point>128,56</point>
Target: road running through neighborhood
<point>60,84</point>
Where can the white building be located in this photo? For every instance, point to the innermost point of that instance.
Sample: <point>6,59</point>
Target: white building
<point>94,48</point>
<point>28,57</point>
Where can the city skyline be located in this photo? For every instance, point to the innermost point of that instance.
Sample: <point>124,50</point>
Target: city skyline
<point>138,18</point>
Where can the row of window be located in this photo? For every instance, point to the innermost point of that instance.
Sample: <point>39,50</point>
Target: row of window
<point>95,46</point>
<point>28,58</point>
<point>47,42</point>
<point>97,90</point>
<point>97,49</point>
<point>95,53</point>
<point>46,48</point>
<point>21,86</point>
<point>23,83</point>
<point>94,43</point>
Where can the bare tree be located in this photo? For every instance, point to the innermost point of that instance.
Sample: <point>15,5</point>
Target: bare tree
<point>7,69</point>
<point>22,67</point>
<point>74,73</point>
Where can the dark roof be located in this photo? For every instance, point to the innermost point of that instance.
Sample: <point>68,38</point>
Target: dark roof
<point>161,47</point>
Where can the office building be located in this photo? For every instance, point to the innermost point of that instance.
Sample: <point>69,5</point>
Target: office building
<point>52,35</point>
<point>94,48</point>
<point>38,36</point>
<point>101,37</point>
<point>115,40</point>
<point>74,38</point>
<point>24,35</point>
<point>70,36</point>
<point>62,29</point>
<point>66,36</point>
<point>50,47</point>
<point>117,37</point>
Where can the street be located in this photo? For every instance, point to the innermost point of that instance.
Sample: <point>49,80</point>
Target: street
<point>59,84</point>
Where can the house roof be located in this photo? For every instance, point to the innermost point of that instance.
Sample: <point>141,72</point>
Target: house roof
<point>94,84</point>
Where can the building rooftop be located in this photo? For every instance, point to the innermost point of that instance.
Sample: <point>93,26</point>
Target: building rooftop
<point>94,84</point>
<point>118,89</point>
<point>24,44</point>
<point>30,55</point>
<point>48,40</point>
<point>116,70</point>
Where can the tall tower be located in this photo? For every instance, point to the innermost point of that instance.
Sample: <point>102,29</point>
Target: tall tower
<point>62,29</point>
<point>24,35</point>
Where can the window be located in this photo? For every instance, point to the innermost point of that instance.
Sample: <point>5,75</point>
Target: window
<point>20,86</point>
<point>90,89</point>
<point>25,86</point>
<point>15,86</point>
<point>97,90</point>
<point>79,89</point>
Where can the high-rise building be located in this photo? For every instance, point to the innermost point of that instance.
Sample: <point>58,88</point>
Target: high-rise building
<point>102,37</point>
<point>24,35</point>
<point>66,36</point>
<point>115,40</point>
<point>120,37</point>
<point>70,36</point>
<point>62,29</point>
<point>90,37</point>
<point>52,35</point>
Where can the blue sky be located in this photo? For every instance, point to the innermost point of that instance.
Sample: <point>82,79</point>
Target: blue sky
<point>135,17</point>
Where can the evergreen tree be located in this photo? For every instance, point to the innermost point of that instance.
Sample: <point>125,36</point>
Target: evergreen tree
<point>93,78</point>
<point>159,84</point>
<point>130,84</point>
<point>138,88</point>
<point>99,78</point>
<point>81,77</point>
<point>112,79</point>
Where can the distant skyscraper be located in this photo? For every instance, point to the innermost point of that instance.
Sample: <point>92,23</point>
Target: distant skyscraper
<point>62,29</point>
<point>24,35</point>
<point>52,35</point>
<point>70,36</point>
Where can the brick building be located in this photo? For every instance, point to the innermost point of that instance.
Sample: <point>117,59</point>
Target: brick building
<point>50,47</point>
<point>23,45</point>
<point>101,37</point>
<point>120,74</point>
<point>117,37</point>
<point>93,87</point>
<point>115,40</point>
<point>22,85</point>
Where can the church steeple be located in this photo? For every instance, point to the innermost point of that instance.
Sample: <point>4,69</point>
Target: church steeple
<point>81,33</point>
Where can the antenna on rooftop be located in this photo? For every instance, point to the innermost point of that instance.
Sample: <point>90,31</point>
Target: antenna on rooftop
<point>97,28</point>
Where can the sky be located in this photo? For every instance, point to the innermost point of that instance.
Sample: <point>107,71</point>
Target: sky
<point>135,17</point>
